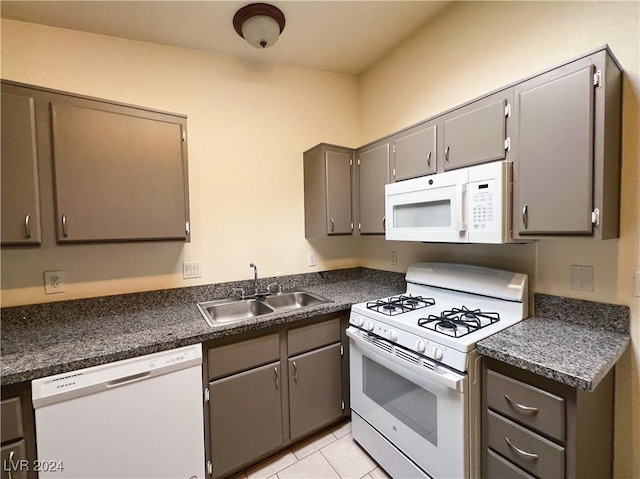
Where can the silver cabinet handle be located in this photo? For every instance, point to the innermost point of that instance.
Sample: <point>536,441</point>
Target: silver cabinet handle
<point>525,216</point>
<point>27,225</point>
<point>527,409</point>
<point>525,454</point>
<point>384,222</point>
<point>10,460</point>
<point>446,155</point>
<point>429,160</point>
<point>333,224</point>
<point>65,233</point>
<point>275,370</point>
<point>295,371</point>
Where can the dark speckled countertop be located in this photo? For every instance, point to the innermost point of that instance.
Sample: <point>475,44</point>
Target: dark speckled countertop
<point>573,342</point>
<point>42,340</point>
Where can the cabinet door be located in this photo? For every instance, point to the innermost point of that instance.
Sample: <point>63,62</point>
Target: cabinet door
<point>20,197</point>
<point>120,173</point>
<point>338,168</point>
<point>415,152</point>
<point>554,183</point>
<point>374,174</point>
<point>315,389</point>
<point>476,133</point>
<point>14,461</point>
<point>245,417</point>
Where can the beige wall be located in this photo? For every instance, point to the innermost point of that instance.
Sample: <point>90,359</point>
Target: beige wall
<point>248,125</point>
<point>475,47</point>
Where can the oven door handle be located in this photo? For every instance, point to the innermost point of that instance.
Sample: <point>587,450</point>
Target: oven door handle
<point>448,379</point>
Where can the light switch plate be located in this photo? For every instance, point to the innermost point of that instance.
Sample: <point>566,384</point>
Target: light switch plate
<point>394,258</point>
<point>191,270</point>
<point>582,278</point>
<point>311,260</point>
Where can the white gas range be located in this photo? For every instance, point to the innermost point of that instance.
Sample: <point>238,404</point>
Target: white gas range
<point>415,390</point>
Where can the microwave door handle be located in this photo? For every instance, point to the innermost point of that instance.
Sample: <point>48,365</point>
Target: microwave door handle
<point>461,191</point>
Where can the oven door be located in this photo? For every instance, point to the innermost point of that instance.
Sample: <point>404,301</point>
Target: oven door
<point>422,412</point>
<point>431,208</point>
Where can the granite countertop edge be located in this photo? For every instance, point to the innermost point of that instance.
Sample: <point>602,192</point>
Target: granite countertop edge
<point>162,329</point>
<point>539,345</point>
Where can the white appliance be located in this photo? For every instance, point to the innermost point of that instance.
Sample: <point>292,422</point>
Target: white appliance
<point>415,374</point>
<point>136,418</point>
<point>467,205</point>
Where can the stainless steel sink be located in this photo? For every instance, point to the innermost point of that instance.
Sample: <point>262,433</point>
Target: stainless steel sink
<point>293,300</point>
<point>227,311</point>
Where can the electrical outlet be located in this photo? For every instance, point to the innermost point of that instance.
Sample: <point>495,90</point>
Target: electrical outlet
<point>636,289</point>
<point>394,258</point>
<point>191,270</point>
<point>582,278</point>
<point>311,259</point>
<point>54,282</point>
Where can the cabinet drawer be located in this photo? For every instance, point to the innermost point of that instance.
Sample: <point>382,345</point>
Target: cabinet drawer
<point>314,336</point>
<point>236,357</point>
<point>531,452</point>
<point>11,419</point>
<point>14,457</point>
<point>497,467</point>
<point>528,405</point>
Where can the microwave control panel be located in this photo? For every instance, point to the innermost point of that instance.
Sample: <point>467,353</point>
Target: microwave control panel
<point>482,205</point>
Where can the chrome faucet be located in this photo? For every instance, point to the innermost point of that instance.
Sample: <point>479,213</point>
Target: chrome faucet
<point>255,278</point>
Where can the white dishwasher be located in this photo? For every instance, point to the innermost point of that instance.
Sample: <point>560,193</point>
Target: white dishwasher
<point>131,419</point>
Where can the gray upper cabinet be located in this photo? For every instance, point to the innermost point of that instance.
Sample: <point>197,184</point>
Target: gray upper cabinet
<point>120,173</point>
<point>373,174</point>
<point>79,169</point>
<point>414,151</point>
<point>567,150</point>
<point>477,132</point>
<point>328,191</point>
<point>20,193</point>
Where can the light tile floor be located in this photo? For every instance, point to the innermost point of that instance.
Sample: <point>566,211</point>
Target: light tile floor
<point>331,454</point>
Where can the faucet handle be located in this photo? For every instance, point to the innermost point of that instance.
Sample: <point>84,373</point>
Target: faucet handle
<point>238,290</point>
<point>274,284</point>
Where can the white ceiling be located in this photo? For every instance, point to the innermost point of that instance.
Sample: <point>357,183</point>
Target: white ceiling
<point>338,36</point>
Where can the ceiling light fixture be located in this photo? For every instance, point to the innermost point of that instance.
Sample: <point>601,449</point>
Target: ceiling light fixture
<point>260,24</point>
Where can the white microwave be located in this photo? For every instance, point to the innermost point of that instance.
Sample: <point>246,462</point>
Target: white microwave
<point>467,205</point>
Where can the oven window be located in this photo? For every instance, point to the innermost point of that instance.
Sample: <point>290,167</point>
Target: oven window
<point>417,408</point>
<point>430,214</point>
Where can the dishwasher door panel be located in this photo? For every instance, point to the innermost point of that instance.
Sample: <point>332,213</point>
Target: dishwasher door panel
<point>151,428</point>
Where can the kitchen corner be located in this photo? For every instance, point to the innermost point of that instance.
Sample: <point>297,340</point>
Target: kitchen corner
<point>571,341</point>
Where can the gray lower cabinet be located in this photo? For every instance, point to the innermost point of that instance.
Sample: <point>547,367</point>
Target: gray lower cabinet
<point>414,151</point>
<point>18,449</point>
<point>246,417</point>
<point>20,188</point>
<point>373,175</point>
<point>477,132</point>
<point>535,427</point>
<point>267,391</point>
<point>566,145</point>
<point>328,180</point>
<point>100,171</point>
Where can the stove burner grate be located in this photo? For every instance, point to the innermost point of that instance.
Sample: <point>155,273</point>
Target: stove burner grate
<point>400,304</point>
<point>458,322</point>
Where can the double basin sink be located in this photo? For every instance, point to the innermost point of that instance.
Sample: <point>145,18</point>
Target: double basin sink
<point>225,311</point>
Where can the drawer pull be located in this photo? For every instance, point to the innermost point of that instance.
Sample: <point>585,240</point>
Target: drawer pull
<point>525,454</point>
<point>527,409</point>
<point>11,454</point>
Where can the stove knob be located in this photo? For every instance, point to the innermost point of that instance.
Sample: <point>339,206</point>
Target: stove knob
<point>393,335</point>
<point>420,346</point>
<point>437,353</point>
<point>359,321</point>
<point>370,325</point>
